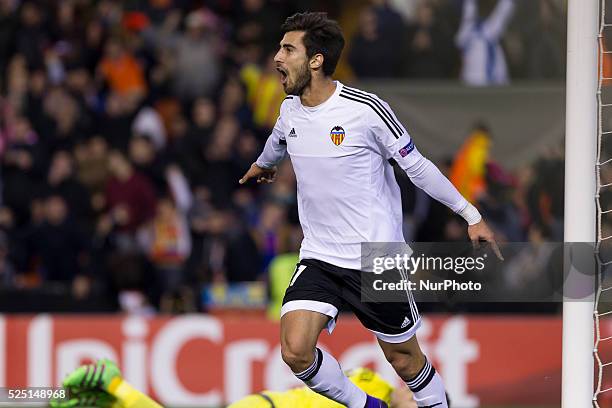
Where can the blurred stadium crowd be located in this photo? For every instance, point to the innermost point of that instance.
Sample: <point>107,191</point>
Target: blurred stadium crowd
<point>125,125</point>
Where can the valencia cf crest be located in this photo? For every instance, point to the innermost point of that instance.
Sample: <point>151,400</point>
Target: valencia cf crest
<point>337,135</point>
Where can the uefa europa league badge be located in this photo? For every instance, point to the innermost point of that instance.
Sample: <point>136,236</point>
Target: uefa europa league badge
<point>337,135</point>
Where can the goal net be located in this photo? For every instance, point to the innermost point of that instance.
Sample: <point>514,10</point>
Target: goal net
<point>602,313</point>
<point>603,248</point>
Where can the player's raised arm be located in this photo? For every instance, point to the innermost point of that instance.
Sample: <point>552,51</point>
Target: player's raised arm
<point>264,169</point>
<point>497,22</point>
<point>397,144</point>
<point>468,22</point>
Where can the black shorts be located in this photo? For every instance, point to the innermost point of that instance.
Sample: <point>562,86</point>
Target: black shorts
<point>322,287</point>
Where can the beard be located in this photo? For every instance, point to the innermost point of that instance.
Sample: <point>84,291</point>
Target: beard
<point>302,80</point>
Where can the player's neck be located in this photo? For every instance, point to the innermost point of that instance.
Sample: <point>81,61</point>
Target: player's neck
<point>319,90</point>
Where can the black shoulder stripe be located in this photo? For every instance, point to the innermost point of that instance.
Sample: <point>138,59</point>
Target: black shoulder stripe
<point>288,97</point>
<point>366,102</point>
<point>385,111</point>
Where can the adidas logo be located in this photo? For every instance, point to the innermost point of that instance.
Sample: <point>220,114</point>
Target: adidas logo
<point>292,133</point>
<point>406,322</point>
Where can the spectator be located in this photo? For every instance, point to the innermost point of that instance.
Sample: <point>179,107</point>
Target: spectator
<point>32,38</point>
<point>221,170</point>
<point>479,39</point>
<point>497,205</point>
<point>23,166</point>
<point>59,243</point>
<point>7,270</point>
<point>167,243</point>
<point>281,269</point>
<point>264,93</point>
<point>17,82</point>
<point>148,161</point>
<point>257,22</point>
<point>389,20</point>
<point>116,121</point>
<point>121,71</point>
<point>61,181</point>
<point>189,149</point>
<point>269,231</point>
<point>8,28</point>
<point>11,248</point>
<point>148,122</point>
<point>197,61</point>
<point>93,48</point>
<point>369,47</point>
<point>130,196</point>
<point>92,166</point>
<point>63,124</point>
<point>546,43</point>
<point>429,52</point>
<point>232,102</point>
<point>226,252</point>
<point>469,166</point>
<point>546,192</point>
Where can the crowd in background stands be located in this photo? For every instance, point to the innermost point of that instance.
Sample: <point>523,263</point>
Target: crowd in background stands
<point>125,125</point>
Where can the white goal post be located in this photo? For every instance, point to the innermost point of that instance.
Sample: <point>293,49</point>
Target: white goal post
<point>581,146</point>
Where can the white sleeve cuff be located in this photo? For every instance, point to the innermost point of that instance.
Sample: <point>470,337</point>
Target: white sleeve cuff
<point>470,214</point>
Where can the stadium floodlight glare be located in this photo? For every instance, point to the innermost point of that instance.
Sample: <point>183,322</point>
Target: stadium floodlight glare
<point>580,194</point>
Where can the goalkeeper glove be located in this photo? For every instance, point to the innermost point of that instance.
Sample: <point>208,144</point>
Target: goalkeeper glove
<point>92,376</point>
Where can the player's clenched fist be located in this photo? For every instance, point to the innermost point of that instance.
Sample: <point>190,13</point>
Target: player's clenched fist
<point>261,174</point>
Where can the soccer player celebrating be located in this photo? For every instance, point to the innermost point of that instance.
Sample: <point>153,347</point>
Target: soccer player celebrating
<point>339,140</point>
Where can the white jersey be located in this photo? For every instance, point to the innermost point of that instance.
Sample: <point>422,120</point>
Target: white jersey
<point>347,193</point>
<point>484,62</point>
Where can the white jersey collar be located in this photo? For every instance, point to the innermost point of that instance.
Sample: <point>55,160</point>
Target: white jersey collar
<point>326,103</point>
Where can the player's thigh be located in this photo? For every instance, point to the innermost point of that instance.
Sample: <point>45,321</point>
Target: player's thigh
<point>311,289</point>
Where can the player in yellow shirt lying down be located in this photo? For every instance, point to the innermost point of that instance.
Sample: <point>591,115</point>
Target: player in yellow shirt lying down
<point>101,385</point>
<point>366,379</point>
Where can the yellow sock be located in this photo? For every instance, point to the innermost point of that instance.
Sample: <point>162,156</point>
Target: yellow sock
<point>129,396</point>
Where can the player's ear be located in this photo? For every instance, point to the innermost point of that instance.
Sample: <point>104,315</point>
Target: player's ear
<point>316,62</point>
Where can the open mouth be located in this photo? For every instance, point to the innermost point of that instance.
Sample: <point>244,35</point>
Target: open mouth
<point>283,75</point>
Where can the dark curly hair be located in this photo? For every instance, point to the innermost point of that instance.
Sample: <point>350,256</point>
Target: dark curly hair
<point>322,35</point>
